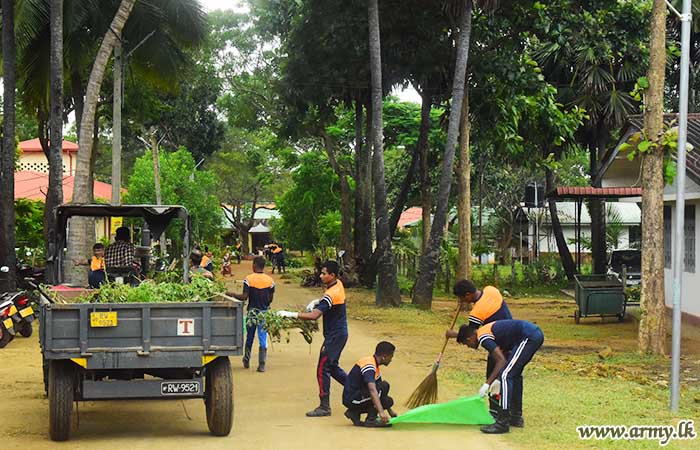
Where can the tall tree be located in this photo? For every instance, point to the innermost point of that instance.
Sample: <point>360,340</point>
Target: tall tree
<point>7,158</point>
<point>464,167</point>
<point>652,327</point>
<point>54,196</point>
<point>388,288</point>
<point>429,262</point>
<point>79,235</point>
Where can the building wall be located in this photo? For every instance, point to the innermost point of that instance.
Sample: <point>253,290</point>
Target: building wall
<point>549,244</point>
<point>37,162</point>
<point>690,300</point>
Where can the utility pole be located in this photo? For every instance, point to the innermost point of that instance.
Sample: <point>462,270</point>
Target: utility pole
<point>117,125</point>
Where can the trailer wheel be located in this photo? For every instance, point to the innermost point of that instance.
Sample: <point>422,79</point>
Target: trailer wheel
<point>61,378</point>
<point>218,396</point>
<point>26,329</point>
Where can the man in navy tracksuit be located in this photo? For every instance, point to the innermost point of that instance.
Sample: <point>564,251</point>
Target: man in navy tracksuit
<point>519,337</point>
<point>487,306</point>
<point>335,334</point>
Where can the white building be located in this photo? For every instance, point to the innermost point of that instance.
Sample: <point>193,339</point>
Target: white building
<point>617,170</point>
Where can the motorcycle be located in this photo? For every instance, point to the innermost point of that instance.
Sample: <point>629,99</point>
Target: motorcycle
<point>24,313</point>
<point>7,325</point>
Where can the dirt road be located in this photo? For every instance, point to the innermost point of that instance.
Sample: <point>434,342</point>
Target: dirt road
<point>269,407</point>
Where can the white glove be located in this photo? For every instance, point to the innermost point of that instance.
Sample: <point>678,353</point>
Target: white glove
<point>484,390</point>
<point>288,314</point>
<point>495,388</point>
<point>312,305</point>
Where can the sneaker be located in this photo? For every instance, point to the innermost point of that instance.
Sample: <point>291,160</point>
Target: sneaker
<point>517,421</point>
<point>320,411</point>
<point>376,423</point>
<point>354,416</point>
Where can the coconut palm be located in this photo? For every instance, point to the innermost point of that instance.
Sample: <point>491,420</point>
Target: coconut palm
<point>7,154</point>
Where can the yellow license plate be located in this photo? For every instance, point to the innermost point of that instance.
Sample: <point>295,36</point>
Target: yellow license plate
<point>103,319</point>
<point>28,311</point>
<point>8,323</point>
<point>13,310</point>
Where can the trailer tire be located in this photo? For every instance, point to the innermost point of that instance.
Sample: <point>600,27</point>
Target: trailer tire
<point>218,396</point>
<point>61,388</point>
<point>26,329</point>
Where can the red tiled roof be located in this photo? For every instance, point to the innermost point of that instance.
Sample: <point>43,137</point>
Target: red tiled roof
<point>34,185</point>
<point>588,191</point>
<point>34,146</point>
<point>411,215</point>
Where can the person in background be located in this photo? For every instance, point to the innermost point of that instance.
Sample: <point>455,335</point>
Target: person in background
<point>226,263</point>
<point>196,265</point>
<point>239,252</point>
<point>206,260</point>
<point>258,290</point>
<point>365,392</point>
<point>97,272</point>
<point>120,254</point>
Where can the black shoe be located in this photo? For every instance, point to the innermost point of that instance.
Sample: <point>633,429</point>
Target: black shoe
<point>246,358</point>
<point>262,356</point>
<point>516,420</point>
<point>354,416</point>
<point>391,412</point>
<point>320,411</point>
<point>376,423</point>
<point>501,426</point>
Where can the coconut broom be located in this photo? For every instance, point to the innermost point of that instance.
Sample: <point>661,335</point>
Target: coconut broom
<point>426,392</point>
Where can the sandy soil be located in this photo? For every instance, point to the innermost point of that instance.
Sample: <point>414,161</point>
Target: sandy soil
<point>269,407</point>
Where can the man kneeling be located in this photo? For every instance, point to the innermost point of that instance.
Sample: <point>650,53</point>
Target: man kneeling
<point>366,392</point>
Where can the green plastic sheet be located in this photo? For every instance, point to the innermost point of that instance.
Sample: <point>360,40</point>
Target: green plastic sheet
<point>463,411</point>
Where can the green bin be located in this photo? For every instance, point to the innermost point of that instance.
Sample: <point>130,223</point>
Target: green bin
<point>599,295</point>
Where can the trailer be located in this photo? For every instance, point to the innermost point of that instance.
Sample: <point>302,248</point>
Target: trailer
<point>154,350</point>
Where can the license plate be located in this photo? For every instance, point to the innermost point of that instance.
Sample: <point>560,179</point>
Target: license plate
<point>179,388</point>
<point>103,319</point>
<point>13,310</point>
<point>8,324</point>
<point>26,312</point>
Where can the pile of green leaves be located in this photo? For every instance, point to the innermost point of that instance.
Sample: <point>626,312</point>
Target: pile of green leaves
<point>198,290</point>
<point>275,324</point>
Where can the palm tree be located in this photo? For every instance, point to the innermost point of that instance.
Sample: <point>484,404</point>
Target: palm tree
<point>7,157</point>
<point>79,231</point>
<point>388,288</point>
<point>423,290</point>
<point>54,196</point>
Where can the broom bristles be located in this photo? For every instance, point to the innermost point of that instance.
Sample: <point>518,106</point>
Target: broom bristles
<point>426,392</point>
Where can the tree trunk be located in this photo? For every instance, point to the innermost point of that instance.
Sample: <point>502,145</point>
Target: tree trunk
<point>402,195</point>
<point>423,147</point>
<point>7,158</point>
<point>388,290</point>
<point>78,100</point>
<point>423,290</point>
<point>652,327</point>
<point>464,261</point>
<point>345,194</point>
<point>54,196</point>
<point>567,261</point>
<point>363,207</point>
<point>78,235</point>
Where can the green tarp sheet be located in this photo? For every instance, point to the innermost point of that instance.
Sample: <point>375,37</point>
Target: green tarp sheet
<point>463,411</point>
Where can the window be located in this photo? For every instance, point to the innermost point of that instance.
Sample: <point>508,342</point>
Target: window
<point>689,237</point>
<point>635,240</point>
<point>667,237</point>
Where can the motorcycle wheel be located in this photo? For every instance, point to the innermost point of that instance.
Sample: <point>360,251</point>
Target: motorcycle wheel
<point>5,338</point>
<point>26,329</point>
